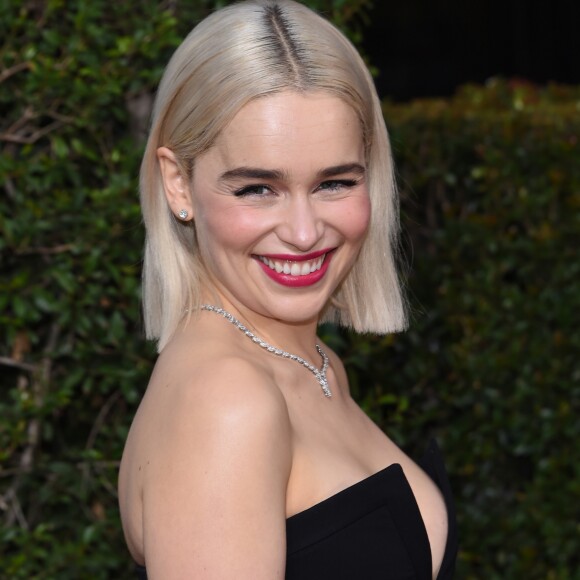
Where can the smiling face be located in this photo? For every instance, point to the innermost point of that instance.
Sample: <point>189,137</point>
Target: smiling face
<point>280,204</point>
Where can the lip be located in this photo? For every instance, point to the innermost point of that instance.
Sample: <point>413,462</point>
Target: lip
<point>297,281</point>
<point>298,257</point>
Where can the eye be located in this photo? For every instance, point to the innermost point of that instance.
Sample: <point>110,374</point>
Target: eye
<point>257,190</point>
<point>337,184</point>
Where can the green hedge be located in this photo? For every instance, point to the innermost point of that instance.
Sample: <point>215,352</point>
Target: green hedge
<point>76,82</point>
<point>490,187</point>
<point>491,206</point>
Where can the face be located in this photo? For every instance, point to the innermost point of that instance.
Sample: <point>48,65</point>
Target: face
<point>280,204</point>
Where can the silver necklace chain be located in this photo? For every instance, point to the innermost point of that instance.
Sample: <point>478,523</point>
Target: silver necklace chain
<point>319,374</point>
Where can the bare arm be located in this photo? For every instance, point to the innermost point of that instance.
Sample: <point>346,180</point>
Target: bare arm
<point>214,490</point>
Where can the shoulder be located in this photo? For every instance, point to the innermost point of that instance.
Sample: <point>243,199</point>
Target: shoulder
<point>223,394</point>
<point>206,398</point>
<point>217,457</point>
<point>213,376</point>
<point>216,409</point>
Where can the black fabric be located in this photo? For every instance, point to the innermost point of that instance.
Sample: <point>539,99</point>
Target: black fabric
<point>372,530</point>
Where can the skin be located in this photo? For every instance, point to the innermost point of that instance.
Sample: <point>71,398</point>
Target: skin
<point>230,440</point>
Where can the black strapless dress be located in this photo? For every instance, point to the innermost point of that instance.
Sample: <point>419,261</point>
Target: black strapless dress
<point>372,530</point>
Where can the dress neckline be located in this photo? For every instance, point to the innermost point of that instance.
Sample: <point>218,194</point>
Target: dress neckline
<point>373,493</point>
<point>388,489</point>
<point>431,448</point>
<point>352,488</point>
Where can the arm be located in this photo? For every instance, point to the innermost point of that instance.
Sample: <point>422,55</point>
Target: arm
<point>215,487</point>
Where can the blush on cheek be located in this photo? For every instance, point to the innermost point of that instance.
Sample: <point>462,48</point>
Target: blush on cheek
<point>358,217</point>
<point>236,230</point>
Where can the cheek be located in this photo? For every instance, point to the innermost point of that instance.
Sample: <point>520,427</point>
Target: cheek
<point>228,229</point>
<point>356,218</point>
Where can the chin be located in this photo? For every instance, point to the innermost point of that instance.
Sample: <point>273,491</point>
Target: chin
<point>297,312</point>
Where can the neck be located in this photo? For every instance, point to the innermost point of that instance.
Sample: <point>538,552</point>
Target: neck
<point>296,336</point>
<point>319,373</point>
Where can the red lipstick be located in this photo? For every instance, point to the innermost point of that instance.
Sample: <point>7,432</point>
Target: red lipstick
<point>297,281</point>
<point>298,257</point>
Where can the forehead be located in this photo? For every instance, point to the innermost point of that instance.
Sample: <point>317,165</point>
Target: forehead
<point>288,129</point>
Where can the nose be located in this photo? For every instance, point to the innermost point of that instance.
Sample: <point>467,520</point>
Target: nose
<point>300,226</point>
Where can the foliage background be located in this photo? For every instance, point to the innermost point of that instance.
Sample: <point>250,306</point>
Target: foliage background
<point>490,186</point>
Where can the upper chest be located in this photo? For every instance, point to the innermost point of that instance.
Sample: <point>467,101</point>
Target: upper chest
<point>339,447</point>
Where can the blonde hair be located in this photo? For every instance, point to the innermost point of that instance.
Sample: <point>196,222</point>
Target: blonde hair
<point>237,54</point>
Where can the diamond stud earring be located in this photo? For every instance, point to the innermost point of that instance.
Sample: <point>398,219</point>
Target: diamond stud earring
<point>182,214</point>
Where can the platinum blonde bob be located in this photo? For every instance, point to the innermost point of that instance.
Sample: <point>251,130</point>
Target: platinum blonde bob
<point>240,53</point>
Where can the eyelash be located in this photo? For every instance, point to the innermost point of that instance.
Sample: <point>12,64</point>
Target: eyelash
<point>250,190</point>
<point>335,185</point>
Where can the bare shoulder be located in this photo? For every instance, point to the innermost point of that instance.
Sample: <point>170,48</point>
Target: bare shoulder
<point>217,401</point>
<point>210,374</point>
<point>215,457</point>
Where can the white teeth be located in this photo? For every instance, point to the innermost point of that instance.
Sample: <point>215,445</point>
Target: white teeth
<point>294,268</point>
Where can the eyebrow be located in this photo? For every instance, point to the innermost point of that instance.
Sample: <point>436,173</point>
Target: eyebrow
<point>355,168</point>
<point>275,174</point>
<point>251,173</point>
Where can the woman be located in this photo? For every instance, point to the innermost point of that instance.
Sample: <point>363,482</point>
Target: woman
<point>268,198</point>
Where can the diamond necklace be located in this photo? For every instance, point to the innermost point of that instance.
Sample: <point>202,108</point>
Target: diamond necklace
<point>319,374</point>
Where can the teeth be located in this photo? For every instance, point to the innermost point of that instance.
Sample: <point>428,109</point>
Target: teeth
<point>294,268</point>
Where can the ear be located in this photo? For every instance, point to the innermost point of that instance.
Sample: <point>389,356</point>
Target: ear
<point>175,184</point>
